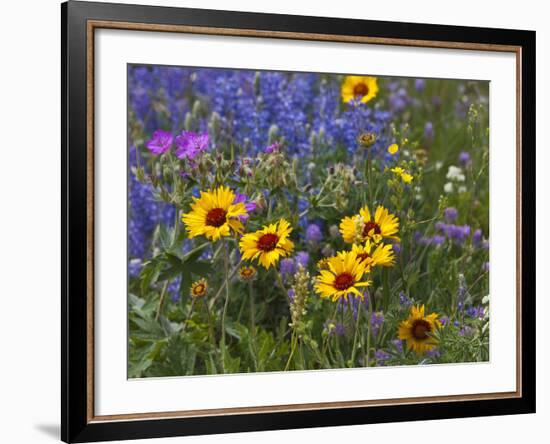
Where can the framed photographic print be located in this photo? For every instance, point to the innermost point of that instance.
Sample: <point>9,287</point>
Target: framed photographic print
<point>276,221</point>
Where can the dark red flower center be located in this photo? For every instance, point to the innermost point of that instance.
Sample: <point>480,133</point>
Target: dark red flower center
<point>343,281</point>
<point>360,90</point>
<point>199,289</point>
<point>371,225</point>
<point>268,242</point>
<point>420,329</point>
<point>363,256</point>
<point>216,217</point>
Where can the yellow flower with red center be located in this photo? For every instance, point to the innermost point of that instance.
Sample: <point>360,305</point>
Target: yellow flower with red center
<point>362,227</point>
<point>268,245</point>
<point>418,330</point>
<point>359,88</point>
<point>379,255</point>
<point>343,277</point>
<point>199,288</point>
<point>247,273</point>
<point>214,214</point>
<point>322,264</point>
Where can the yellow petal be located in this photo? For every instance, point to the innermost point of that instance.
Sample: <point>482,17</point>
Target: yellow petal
<point>393,148</point>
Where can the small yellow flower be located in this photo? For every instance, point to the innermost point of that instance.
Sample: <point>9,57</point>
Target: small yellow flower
<point>359,88</point>
<point>393,148</point>
<point>247,273</point>
<point>361,227</point>
<point>322,264</point>
<point>418,330</point>
<point>344,277</point>
<point>199,288</point>
<point>214,214</point>
<point>381,256</point>
<point>405,177</point>
<point>268,244</point>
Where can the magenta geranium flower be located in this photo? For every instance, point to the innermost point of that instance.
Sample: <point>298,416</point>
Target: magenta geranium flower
<point>274,147</point>
<point>160,142</point>
<point>189,144</point>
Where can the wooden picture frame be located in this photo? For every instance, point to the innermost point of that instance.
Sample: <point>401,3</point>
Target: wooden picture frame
<point>79,22</point>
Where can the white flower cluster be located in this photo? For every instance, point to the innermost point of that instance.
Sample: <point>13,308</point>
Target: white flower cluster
<point>455,176</point>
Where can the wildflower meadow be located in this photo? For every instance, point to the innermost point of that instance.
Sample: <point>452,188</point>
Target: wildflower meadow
<point>282,221</point>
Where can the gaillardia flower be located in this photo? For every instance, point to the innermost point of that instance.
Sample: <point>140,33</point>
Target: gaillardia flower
<point>359,88</point>
<point>268,244</point>
<point>381,256</point>
<point>199,288</point>
<point>322,264</point>
<point>247,273</point>
<point>362,226</point>
<point>214,214</point>
<point>343,277</point>
<point>418,330</point>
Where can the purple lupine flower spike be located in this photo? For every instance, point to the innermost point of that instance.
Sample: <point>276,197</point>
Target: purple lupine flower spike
<point>420,85</point>
<point>288,267</point>
<point>313,233</point>
<point>429,131</point>
<point>477,238</point>
<point>451,214</point>
<point>302,258</point>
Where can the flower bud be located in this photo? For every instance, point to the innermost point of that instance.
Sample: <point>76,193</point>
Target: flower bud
<point>366,140</point>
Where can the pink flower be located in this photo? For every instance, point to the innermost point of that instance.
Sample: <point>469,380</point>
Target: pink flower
<point>273,148</point>
<point>189,144</point>
<point>160,142</point>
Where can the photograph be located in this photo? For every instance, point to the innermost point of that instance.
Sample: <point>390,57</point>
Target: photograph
<point>283,221</point>
<point>288,221</point>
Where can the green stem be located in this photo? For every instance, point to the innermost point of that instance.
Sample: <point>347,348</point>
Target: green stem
<point>226,304</point>
<point>369,331</point>
<point>301,354</point>
<point>241,310</point>
<point>327,343</point>
<point>188,315</point>
<point>385,288</point>
<point>292,350</point>
<point>252,323</point>
<point>231,274</point>
<point>354,349</point>
<point>281,284</point>
<point>252,308</point>
<point>368,175</point>
<point>161,301</point>
<point>372,301</point>
<point>211,336</point>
